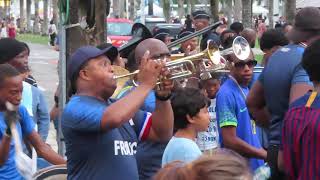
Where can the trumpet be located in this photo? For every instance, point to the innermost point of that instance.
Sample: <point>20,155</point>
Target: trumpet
<point>178,69</point>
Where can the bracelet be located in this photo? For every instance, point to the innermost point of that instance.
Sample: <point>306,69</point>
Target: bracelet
<point>163,98</point>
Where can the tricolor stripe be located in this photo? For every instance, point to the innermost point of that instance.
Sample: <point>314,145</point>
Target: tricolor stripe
<point>145,130</point>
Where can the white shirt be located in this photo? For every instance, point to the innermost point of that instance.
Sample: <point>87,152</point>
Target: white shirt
<point>209,139</point>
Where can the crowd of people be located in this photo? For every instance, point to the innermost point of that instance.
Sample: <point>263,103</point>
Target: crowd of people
<point>207,126</point>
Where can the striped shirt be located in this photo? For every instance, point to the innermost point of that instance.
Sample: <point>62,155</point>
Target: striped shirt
<point>300,138</point>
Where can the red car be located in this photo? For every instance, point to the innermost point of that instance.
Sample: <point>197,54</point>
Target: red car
<point>119,31</point>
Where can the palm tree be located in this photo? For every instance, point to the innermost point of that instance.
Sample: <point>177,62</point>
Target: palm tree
<point>166,9</point>
<point>55,11</point>
<point>215,9</point>
<point>237,10</point>
<point>36,28</point>
<point>270,16</point>
<point>29,29</point>
<point>150,7</point>
<point>180,8</point>
<point>290,9</point>
<point>247,13</point>
<point>44,27</point>
<point>22,17</point>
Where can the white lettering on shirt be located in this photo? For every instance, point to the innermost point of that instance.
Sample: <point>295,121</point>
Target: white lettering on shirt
<point>125,148</point>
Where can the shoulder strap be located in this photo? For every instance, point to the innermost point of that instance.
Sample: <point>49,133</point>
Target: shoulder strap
<point>311,99</point>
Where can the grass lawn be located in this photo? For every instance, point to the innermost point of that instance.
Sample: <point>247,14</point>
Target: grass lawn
<point>33,38</point>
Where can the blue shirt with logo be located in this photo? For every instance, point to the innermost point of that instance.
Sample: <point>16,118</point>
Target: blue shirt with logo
<point>25,126</point>
<point>94,154</point>
<point>282,71</point>
<point>149,154</point>
<point>232,111</point>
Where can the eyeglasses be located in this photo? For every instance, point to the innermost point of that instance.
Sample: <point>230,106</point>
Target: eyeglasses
<point>242,64</point>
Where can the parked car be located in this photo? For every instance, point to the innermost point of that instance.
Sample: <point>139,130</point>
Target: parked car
<point>119,31</point>
<point>151,21</point>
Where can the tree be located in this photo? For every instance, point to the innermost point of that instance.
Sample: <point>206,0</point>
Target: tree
<point>116,8</point>
<point>247,13</point>
<point>150,7</point>
<point>44,27</point>
<point>77,37</point>
<point>131,9</point>
<point>166,9</point>
<point>36,27</point>
<point>215,9</point>
<point>270,16</point>
<point>22,17</point>
<point>237,10</point>
<point>55,11</point>
<point>290,9</point>
<point>180,8</point>
<point>29,27</point>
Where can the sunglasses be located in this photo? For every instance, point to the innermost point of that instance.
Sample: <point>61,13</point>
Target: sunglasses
<point>242,64</point>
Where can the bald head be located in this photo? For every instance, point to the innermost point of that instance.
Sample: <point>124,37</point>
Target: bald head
<point>250,35</point>
<point>156,48</point>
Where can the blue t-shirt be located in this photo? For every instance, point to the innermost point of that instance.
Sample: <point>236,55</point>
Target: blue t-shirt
<point>232,111</point>
<point>180,149</point>
<point>94,154</point>
<point>149,154</point>
<point>24,127</point>
<point>282,71</point>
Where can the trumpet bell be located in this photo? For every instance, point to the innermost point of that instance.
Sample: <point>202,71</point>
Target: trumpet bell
<point>241,48</point>
<point>120,71</point>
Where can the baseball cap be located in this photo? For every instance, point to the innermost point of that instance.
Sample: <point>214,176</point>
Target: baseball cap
<point>112,54</point>
<point>81,56</point>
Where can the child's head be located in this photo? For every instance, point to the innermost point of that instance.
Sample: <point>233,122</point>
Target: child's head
<point>190,109</point>
<point>223,164</point>
<point>212,86</point>
<point>10,85</point>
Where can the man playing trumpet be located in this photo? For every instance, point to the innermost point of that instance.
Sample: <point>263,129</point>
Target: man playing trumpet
<point>101,135</point>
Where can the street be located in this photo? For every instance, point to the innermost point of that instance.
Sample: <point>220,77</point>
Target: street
<point>43,62</point>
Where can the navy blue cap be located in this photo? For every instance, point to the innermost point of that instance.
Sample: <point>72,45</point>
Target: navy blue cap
<point>161,32</point>
<point>81,56</point>
<point>186,32</point>
<point>200,14</point>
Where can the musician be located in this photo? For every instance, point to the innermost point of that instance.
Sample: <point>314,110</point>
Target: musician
<point>237,131</point>
<point>101,134</point>
<point>237,27</point>
<point>163,35</point>
<point>189,46</point>
<point>11,91</point>
<point>283,81</point>
<point>149,153</point>
<point>113,54</point>
<point>201,20</point>
<point>250,35</point>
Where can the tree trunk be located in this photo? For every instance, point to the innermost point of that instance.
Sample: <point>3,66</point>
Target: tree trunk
<point>227,11</point>
<point>247,13</point>
<point>189,7</point>
<point>122,8</point>
<point>44,27</point>
<point>192,3</point>
<point>270,16</point>
<point>131,9</point>
<point>77,37</point>
<point>55,12</point>
<point>22,17</point>
<point>166,9</point>
<point>290,9</point>
<point>36,24</point>
<point>215,9</point>
<point>29,26</point>
<point>116,8</point>
<point>237,11</point>
<point>150,7</point>
<point>180,8</point>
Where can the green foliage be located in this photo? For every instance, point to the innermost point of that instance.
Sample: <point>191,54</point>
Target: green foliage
<point>33,38</point>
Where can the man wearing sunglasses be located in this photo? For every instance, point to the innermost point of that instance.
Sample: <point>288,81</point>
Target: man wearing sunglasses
<point>237,131</point>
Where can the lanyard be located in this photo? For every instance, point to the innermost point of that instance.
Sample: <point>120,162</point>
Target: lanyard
<point>311,99</point>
